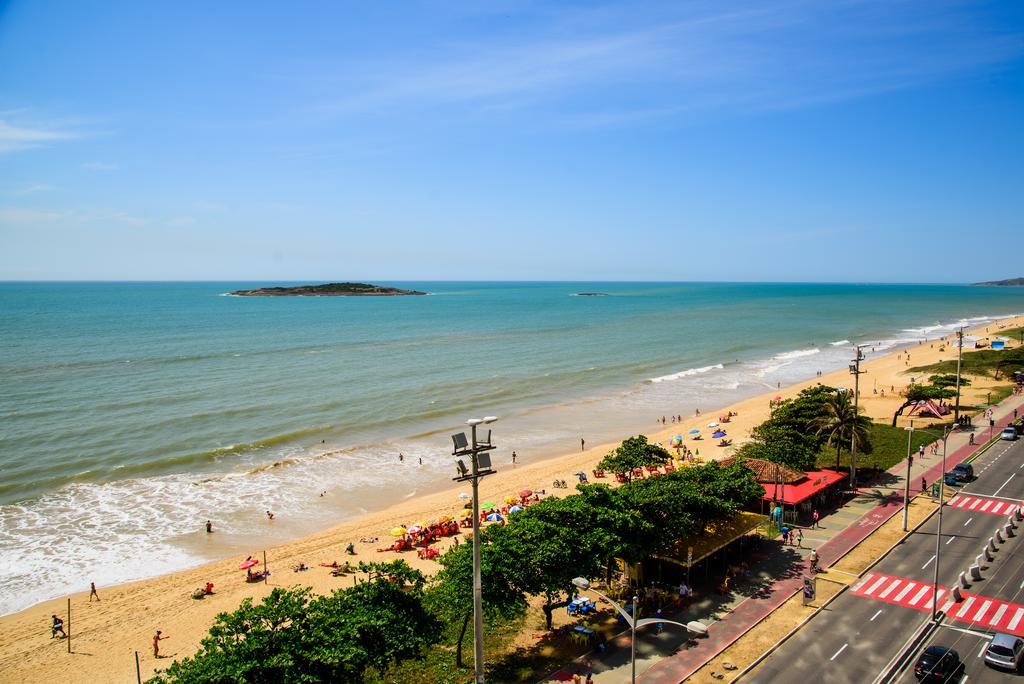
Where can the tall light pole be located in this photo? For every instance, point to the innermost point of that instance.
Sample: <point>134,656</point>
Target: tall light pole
<point>906,484</point>
<point>856,372</point>
<point>938,535</point>
<point>634,624</point>
<point>481,467</point>
<point>959,356</point>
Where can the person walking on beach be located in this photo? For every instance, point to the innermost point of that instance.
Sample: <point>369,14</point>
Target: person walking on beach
<point>157,638</point>
<point>58,626</point>
<point>92,592</point>
<point>583,444</point>
<point>513,458</point>
<point>401,457</point>
<point>209,526</point>
<point>815,517</point>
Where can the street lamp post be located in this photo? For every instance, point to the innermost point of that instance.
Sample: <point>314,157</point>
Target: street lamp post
<point>635,624</point>
<point>481,467</point>
<point>959,356</point>
<point>906,484</point>
<point>938,535</point>
<point>856,372</point>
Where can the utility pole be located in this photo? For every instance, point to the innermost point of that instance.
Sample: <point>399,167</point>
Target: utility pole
<point>959,356</point>
<point>481,467</point>
<point>856,372</point>
<point>906,484</point>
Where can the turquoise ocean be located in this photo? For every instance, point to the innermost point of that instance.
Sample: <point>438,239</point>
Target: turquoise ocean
<point>132,412</point>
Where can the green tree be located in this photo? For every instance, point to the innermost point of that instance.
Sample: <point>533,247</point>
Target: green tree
<point>635,452</point>
<point>450,593</point>
<point>554,541</point>
<point>292,636</point>
<point>842,424</point>
<point>916,393</point>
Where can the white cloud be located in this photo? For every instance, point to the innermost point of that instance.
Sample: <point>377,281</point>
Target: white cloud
<point>13,216</point>
<point>14,138</point>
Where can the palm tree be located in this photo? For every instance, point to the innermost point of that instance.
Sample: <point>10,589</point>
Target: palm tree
<point>841,423</point>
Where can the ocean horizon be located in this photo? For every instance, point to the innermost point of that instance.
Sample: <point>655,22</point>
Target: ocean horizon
<point>135,410</point>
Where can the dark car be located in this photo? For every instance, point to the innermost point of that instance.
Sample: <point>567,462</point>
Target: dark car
<point>951,478</point>
<point>937,664</point>
<point>964,471</point>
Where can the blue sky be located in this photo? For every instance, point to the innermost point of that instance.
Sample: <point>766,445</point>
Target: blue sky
<point>853,140</point>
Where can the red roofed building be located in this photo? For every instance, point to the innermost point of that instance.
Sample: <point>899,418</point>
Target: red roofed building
<point>799,493</point>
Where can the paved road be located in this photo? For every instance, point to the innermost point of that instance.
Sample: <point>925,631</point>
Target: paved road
<point>860,632</point>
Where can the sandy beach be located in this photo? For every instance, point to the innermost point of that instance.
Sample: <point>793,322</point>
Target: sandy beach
<point>107,633</point>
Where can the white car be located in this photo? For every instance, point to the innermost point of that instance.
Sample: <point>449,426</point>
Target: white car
<point>1009,433</point>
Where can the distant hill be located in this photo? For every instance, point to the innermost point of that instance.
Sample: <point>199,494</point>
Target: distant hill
<point>1009,282</point>
<point>327,290</point>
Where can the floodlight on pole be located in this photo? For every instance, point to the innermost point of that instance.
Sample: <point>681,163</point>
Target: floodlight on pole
<point>481,467</point>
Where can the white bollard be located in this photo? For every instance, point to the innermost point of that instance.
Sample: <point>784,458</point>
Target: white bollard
<point>963,580</point>
<point>980,560</point>
<point>987,553</point>
<point>957,596</point>
<point>1008,530</point>
<point>1018,513</point>
<point>975,572</point>
<point>992,544</point>
<point>1012,519</point>
<point>998,536</point>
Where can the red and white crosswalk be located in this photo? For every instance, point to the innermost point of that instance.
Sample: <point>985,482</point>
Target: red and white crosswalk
<point>990,614</point>
<point>981,504</point>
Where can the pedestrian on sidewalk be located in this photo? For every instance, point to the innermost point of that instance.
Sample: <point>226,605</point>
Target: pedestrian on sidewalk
<point>970,439</point>
<point>924,485</point>
<point>800,538</point>
<point>813,558</point>
<point>785,535</point>
<point>815,517</point>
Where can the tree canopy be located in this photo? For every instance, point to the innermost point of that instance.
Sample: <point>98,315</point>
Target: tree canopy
<point>635,452</point>
<point>292,636</point>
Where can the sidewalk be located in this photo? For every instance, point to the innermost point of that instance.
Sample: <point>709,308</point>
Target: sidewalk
<point>666,657</point>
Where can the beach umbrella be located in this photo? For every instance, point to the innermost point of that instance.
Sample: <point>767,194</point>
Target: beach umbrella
<point>718,434</point>
<point>511,499</point>
<point>778,397</point>
<point>526,494</point>
<point>713,423</point>
<point>694,432</point>
<point>516,509</point>
<point>487,504</point>
<point>398,531</point>
<point>445,519</point>
<point>677,439</point>
<point>246,564</point>
<point>414,529</point>
<point>463,495</point>
<point>494,517</point>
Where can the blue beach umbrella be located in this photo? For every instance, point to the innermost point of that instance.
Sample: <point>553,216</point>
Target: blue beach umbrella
<point>494,517</point>
<point>718,434</point>
<point>694,432</point>
<point>515,509</point>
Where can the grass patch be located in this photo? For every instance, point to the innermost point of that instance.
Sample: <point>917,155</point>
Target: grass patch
<point>999,392</point>
<point>888,447</point>
<point>983,362</point>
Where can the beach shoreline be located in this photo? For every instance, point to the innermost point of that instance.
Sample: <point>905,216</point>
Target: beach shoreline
<point>128,614</point>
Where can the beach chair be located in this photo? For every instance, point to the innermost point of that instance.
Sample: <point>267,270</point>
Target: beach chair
<point>638,473</point>
<point>621,477</point>
<point>669,469</point>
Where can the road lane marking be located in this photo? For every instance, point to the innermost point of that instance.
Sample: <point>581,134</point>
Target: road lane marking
<point>906,590</point>
<point>999,614</point>
<point>964,608</point>
<point>981,650</point>
<point>929,562</point>
<point>974,504</point>
<point>998,507</point>
<point>1012,475</point>
<point>951,539</point>
<point>888,589</point>
<point>981,611</point>
<point>920,595</point>
<point>1016,619</point>
<point>985,506</point>
<point>874,586</point>
<point>841,649</point>
<point>968,522</point>
<point>875,615</point>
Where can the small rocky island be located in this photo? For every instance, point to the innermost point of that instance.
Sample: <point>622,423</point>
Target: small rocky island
<point>327,290</point>
<point>1010,282</point>
<point>591,294</point>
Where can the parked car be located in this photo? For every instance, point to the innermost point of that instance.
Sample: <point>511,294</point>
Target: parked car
<point>951,479</point>
<point>938,664</point>
<point>1008,433</point>
<point>964,472</point>
<point>1005,651</point>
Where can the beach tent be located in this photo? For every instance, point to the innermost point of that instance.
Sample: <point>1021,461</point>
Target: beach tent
<point>998,345</point>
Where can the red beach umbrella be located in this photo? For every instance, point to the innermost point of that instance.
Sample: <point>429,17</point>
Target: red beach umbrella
<point>526,493</point>
<point>246,564</point>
